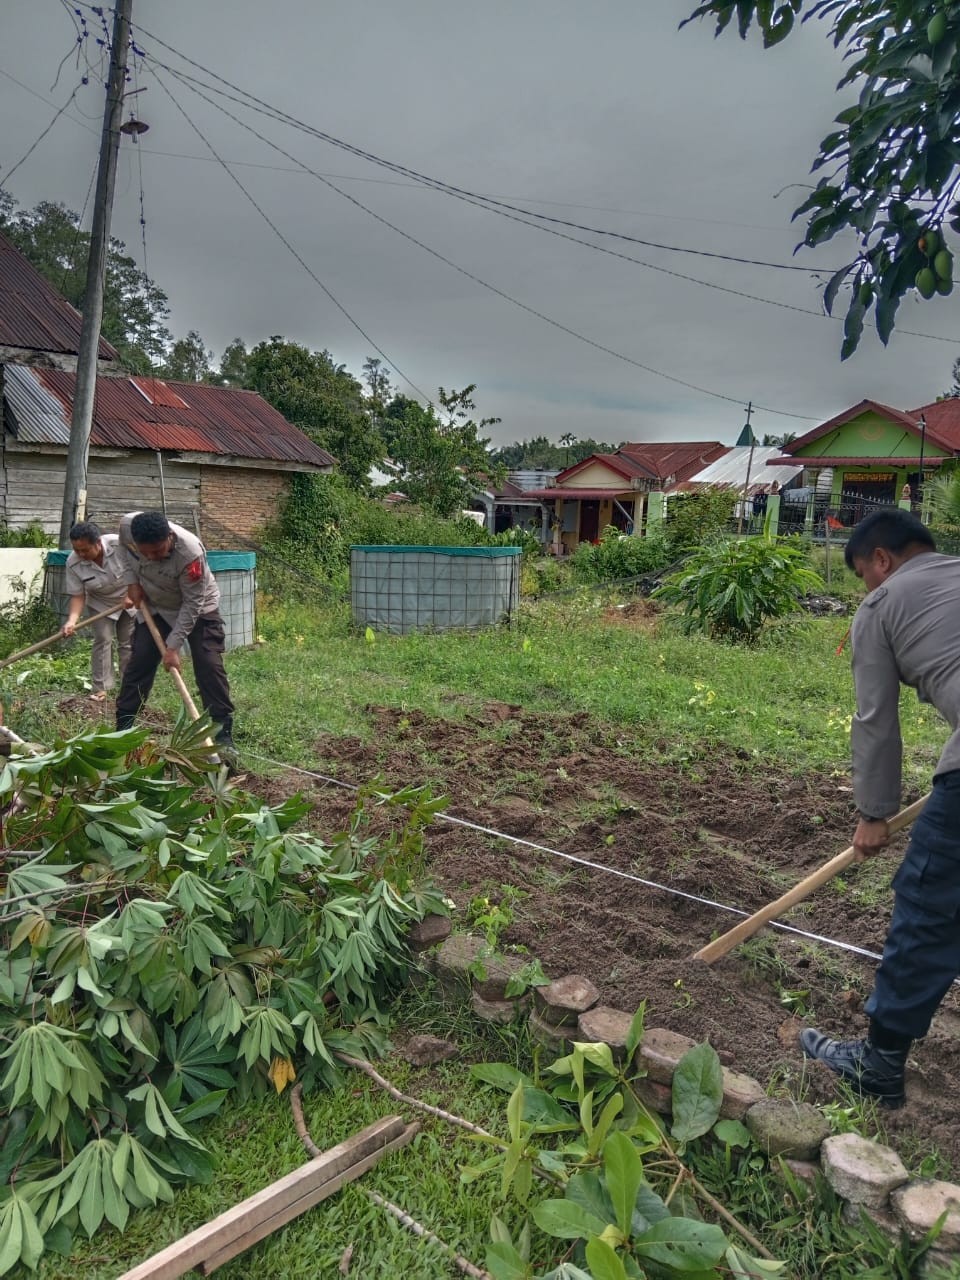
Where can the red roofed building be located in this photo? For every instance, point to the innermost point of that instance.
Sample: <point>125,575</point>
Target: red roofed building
<point>37,325</point>
<point>208,454</point>
<point>611,488</point>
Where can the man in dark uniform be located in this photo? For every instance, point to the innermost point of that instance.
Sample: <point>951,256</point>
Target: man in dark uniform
<point>167,567</point>
<point>907,629</point>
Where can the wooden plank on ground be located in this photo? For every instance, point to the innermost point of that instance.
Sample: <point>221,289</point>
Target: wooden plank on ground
<point>314,1197</point>
<point>215,1236</point>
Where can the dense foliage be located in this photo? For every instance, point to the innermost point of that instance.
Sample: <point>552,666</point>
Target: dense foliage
<point>323,516</point>
<point>892,166</point>
<point>615,1188</point>
<point>730,588</point>
<point>696,518</point>
<point>165,941</point>
<point>618,555</point>
<point>541,454</point>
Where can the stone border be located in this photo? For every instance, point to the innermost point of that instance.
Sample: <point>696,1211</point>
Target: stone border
<point>868,1176</point>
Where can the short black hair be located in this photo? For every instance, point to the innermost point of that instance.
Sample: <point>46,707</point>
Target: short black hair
<point>150,527</point>
<point>890,528</point>
<point>85,531</point>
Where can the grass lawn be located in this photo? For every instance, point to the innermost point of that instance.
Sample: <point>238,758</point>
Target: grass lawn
<point>786,702</point>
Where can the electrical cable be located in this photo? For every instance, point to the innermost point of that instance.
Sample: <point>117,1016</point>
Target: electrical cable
<point>286,243</point>
<point>501,207</point>
<point>33,146</point>
<point>191,83</point>
<point>583,862</point>
<point>461,192</point>
<point>557,324</point>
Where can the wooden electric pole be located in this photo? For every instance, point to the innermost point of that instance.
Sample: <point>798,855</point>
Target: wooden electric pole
<point>75,479</point>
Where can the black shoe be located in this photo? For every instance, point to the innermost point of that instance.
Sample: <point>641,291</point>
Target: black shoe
<point>875,1073</point>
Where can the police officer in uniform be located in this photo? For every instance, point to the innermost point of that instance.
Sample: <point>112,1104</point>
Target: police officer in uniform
<point>167,567</point>
<point>907,629</point>
<point>96,581</point>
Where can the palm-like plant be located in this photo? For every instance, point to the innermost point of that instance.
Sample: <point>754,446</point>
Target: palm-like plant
<point>945,502</point>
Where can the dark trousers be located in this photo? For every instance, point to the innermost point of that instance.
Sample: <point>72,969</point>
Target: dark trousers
<point>206,649</point>
<point>921,956</point>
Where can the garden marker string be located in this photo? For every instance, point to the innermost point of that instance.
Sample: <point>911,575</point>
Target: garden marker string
<point>584,862</point>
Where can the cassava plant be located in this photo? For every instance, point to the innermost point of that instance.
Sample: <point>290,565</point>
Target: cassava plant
<point>730,588</point>
<point>165,940</point>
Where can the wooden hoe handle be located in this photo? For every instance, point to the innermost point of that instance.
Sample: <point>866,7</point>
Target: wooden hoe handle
<point>177,678</point>
<point>43,644</point>
<point>747,928</point>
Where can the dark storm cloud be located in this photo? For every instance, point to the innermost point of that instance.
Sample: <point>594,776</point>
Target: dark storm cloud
<point>605,105</point>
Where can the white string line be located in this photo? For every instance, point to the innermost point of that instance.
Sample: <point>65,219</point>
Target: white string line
<point>585,862</point>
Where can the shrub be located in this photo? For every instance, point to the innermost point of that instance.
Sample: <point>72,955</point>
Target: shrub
<point>618,555</point>
<point>729,588</point>
<point>32,536</point>
<point>694,519</point>
<point>323,516</point>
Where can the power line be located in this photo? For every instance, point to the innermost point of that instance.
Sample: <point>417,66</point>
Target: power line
<point>33,146</point>
<point>557,324</point>
<point>489,202</point>
<point>494,206</point>
<point>286,243</point>
<point>191,82</point>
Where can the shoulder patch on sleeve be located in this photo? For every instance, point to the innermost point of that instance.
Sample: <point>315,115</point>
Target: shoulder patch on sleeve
<point>875,596</point>
<point>194,570</point>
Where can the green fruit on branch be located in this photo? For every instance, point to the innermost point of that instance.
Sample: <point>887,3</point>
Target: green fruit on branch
<point>937,28</point>
<point>945,288</point>
<point>943,265</point>
<point>926,282</point>
<point>929,243</point>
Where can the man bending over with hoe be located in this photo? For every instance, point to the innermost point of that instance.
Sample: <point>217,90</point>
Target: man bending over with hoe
<point>907,629</point>
<point>167,570</point>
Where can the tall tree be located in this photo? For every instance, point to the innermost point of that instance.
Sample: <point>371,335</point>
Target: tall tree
<point>438,460</point>
<point>892,167</point>
<point>135,309</point>
<point>188,360</point>
<point>233,365</point>
<point>321,398</point>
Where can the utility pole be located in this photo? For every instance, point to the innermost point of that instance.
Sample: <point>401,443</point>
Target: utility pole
<point>75,479</point>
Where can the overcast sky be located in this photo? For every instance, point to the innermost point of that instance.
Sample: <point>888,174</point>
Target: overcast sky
<point>597,111</point>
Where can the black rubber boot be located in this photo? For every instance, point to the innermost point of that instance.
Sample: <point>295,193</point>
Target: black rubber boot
<point>124,721</point>
<point>872,1072</point>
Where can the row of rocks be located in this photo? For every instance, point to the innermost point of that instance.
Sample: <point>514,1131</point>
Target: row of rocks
<point>869,1177</point>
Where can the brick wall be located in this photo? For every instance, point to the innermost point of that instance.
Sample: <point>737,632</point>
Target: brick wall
<point>239,498</point>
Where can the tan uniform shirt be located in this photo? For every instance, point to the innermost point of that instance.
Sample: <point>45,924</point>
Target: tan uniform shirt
<point>103,586</point>
<point>906,631</point>
<point>180,587</point>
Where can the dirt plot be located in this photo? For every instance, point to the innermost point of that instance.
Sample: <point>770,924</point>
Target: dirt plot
<point>710,826</point>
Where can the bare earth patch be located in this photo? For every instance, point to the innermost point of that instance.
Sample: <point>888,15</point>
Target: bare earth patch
<point>712,826</point>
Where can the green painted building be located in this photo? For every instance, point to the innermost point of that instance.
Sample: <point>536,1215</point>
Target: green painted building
<point>871,451</point>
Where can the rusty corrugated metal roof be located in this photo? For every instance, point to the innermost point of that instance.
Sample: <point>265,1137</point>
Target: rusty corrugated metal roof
<point>147,413</point>
<point>33,315</point>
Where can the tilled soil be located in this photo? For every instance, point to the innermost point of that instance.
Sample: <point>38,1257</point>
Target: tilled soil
<point>712,826</point>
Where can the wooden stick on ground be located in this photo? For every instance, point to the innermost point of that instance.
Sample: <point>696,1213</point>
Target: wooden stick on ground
<point>214,1243</point>
<point>747,928</point>
<point>462,1264</point>
<point>57,635</point>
